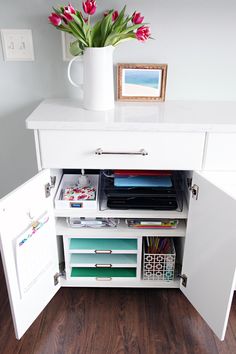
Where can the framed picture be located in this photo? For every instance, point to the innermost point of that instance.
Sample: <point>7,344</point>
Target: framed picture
<point>141,82</point>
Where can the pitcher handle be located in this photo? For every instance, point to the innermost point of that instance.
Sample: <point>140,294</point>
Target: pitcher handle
<point>69,72</point>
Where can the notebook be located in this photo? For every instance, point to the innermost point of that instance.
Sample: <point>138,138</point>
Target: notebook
<point>127,173</point>
<point>143,181</point>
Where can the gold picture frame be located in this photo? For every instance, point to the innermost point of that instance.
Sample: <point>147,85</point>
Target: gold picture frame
<point>141,82</point>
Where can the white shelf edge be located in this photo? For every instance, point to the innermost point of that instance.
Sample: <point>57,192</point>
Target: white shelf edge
<point>120,283</point>
<point>125,214</point>
<point>122,230</point>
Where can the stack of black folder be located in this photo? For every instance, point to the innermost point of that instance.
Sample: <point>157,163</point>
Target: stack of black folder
<point>140,190</point>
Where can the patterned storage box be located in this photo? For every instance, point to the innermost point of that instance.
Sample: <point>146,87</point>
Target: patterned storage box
<point>159,266</point>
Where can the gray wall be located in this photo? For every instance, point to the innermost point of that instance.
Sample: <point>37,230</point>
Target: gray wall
<point>195,38</point>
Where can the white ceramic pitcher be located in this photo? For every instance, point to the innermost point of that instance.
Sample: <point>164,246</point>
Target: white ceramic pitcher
<point>98,80</point>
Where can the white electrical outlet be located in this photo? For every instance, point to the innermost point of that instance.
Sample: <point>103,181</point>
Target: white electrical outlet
<point>17,44</point>
<point>66,38</point>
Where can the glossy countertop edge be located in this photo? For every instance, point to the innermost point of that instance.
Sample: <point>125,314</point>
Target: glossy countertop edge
<point>185,116</point>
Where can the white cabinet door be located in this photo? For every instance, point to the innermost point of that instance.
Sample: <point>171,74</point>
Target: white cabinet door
<point>29,250</point>
<point>209,256</point>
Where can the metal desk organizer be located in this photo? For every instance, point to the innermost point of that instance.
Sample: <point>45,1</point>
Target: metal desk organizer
<point>159,266</point>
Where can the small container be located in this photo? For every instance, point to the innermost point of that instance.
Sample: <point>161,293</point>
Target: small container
<point>165,224</point>
<point>95,223</point>
<point>68,197</point>
<point>159,266</point>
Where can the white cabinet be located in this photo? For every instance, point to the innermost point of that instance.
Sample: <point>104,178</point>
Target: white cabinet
<point>208,260</point>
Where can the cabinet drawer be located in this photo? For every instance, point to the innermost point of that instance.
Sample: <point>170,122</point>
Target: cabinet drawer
<point>221,152</point>
<point>77,149</point>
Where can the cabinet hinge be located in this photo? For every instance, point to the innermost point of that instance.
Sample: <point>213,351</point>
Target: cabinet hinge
<point>49,186</point>
<point>193,188</point>
<point>57,276</point>
<point>195,191</point>
<point>184,279</point>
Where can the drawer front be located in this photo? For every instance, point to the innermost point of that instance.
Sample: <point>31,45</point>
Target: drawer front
<point>221,152</point>
<point>126,150</point>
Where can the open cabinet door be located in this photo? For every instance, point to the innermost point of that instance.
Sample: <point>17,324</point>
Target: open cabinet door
<point>29,250</point>
<point>210,249</point>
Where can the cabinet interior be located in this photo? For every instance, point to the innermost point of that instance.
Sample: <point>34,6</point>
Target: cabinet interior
<point>91,256</point>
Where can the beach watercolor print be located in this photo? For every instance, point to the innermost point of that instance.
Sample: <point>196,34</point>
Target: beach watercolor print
<point>141,82</point>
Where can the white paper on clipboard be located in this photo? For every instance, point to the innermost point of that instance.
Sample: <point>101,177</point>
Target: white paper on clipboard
<point>33,255</point>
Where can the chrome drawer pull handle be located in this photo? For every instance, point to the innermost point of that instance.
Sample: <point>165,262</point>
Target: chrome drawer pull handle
<point>141,152</point>
<point>104,279</point>
<point>103,265</point>
<point>103,251</point>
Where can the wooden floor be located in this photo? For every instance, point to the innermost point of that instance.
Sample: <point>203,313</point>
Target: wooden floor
<point>115,321</point>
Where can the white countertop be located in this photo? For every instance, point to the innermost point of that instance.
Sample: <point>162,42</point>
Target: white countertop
<point>195,116</point>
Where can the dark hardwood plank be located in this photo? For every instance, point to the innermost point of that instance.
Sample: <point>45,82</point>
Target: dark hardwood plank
<point>229,344</point>
<point>115,321</point>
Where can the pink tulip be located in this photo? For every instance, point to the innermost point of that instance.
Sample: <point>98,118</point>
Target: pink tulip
<point>55,19</point>
<point>143,33</point>
<point>68,11</point>
<point>89,7</point>
<point>115,14</point>
<point>137,18</point>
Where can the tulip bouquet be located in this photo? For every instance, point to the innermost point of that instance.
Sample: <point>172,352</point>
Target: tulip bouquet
<point>112,29</point>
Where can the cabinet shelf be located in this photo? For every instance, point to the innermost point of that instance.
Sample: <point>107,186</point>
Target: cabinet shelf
<point>122,230</point>
<point>125,214</point>
<point>124,283</point>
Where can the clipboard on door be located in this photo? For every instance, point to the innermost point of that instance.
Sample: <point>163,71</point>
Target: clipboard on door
<point>30,246</point>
